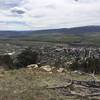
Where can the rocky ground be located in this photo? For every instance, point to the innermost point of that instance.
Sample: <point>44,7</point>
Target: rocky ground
<point>33,83</point>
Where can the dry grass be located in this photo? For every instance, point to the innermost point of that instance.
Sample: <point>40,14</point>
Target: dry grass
<point>25,84</point>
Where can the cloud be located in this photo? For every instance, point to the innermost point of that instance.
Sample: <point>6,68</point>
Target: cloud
<point>19,12</point>
<point>12,25</point>
<point>5,4</point>
<point>42,14</point>
<point>13,22</point>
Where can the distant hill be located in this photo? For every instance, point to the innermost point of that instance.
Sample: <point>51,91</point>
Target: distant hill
<point>76,30</point>
<point>9,34</point>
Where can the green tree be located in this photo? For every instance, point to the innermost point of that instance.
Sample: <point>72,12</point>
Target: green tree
<point>6,61</point>
<point>27,57</point>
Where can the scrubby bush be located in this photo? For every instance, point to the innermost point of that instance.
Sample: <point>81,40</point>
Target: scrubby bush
<point>6,62</point>
<point>89,65</point>
<point>27,57</point>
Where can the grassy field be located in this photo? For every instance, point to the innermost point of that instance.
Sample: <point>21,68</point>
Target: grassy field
<point>89,39</point>
<point>76,39</point>
<point>26,84</point>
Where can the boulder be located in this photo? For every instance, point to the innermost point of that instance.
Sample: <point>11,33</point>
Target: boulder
<point>60,70</point>
<point>32,66</point>
<point>47,68</point>
<point>50,72</point>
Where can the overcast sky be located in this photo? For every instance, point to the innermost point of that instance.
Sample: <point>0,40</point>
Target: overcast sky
<point>43,14</point>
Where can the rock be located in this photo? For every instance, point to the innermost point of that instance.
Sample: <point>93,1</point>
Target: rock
<point>60,70</point>
<point>47,68</point>
<point>12,53</point>
<point>1,75</point>
<point>69,63</point>
<point>32,66</point>
<point>77,72</point>
<point>50,72</point>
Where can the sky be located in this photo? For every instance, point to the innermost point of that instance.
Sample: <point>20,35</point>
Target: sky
<point>48,14</point>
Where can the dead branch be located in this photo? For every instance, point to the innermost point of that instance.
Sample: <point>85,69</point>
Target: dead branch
<point>62,86</point>
<point>57,87</point>
<point>84,95</point>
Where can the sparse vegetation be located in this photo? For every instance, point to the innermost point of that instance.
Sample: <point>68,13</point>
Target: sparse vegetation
<point>26,84</point>
<point>6,62</point>
<point>89,65</point>
<point>27,57</point>
<point>54,51</point>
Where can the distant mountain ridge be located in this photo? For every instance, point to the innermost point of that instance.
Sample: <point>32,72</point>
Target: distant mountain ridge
<point>75,30</point>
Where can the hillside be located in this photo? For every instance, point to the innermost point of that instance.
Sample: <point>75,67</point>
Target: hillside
<point>75,30</point>
<point>81,36</point>
<point>32,84</point>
